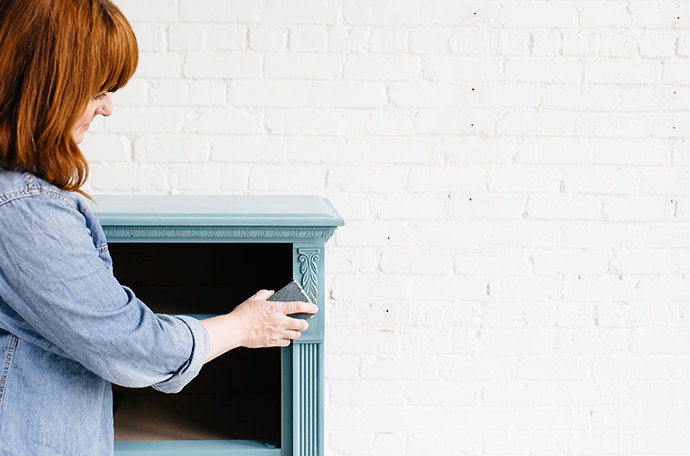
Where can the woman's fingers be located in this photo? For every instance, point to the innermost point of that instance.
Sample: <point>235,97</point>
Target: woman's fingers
<point>263,295</point>
<point>292,307</point>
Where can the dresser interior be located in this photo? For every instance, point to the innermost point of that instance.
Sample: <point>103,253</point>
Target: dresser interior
<point>236,396</point>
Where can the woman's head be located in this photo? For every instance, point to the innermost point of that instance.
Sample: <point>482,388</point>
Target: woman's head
<point>58,59</point>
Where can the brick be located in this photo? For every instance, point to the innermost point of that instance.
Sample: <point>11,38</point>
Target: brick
<point>512,42</point>
<point>569,262</point>
<point>308,39</point>
<point>368,393</point>
<point>302,179</point>
<point>391,123</point>
<point>475,236</point>
<point>561,206</point>
<point>151,11</point>
<point>657,45</point>
<point>486,207</point>
<point>430,40</point>
<point>444,444</point>
<point>187,37</point>
<point>326,150</point>
<point>446,180</point>
<point>471,42</point>
<point>159,65</point>
<point>526,234</point>
<point>368,234</point>
<point>622,71</point>
<point>455,121</point>
<point>211,179</point>
<point>639,208</point>
<point>473,150</point>
<point>614,14</point>
<point>267,38</point>
<point>376,68</point>
<point>495,263</point>
<point>463,68</point>
<point>404,150</point>
<point>299,12</point>
<point>219,11</point>
<point>103,148</point>
<point>180,93</point>
<point>675,71</point>
<point>503,95</point>
<point>224,121</point>
<point>502,394</point>
<point>267,93</point>
<point>668,288</point>
<point>384,12</point>
<point>538,123</point>
<point>222,65</point>
<point>248,149</point>
<point>348,95</point>
<point>547,43</point>
<point>543,70</point>
<point>517,289</point>
<point>288,121</point>
<point>150,120</point>
<point>302,66</point>
<point>150,37</point>
<point>390,41</point>
<point>424,94</point>
<point>440,287</point>
<point>618,44</point>
<point>580,43</point>
<point>538,14</point>
<point>528,178</point>
<point>407,261</point>
<point>656,15</point>
<point>172,149</point>
<point>603,180</point>
<point>109,178</point>
<point>226,37</point>
<point>598,288</point>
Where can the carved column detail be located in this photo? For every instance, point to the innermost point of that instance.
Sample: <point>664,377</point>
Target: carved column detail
<point>308,259</point>
<point>307,400</point>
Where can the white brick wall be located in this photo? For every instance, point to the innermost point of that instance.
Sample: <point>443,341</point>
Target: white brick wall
<point>514,275</point>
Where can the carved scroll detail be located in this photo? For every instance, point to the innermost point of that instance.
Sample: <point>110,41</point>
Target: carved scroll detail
<point>309,269</point>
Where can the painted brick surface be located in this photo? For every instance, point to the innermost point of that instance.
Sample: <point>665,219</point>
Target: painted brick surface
<point>514,274</point>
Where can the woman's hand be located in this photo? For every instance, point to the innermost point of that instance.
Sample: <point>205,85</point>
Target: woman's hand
<point>257,323</point>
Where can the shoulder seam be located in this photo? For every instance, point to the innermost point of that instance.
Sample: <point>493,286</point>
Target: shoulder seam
<point>35,191</point>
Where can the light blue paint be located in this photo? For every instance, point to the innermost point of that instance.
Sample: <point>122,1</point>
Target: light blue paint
<point>306,222</point>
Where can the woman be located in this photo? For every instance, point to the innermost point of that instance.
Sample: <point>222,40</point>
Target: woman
<point>68,329</point>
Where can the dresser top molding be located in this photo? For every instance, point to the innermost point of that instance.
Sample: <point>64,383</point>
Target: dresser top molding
<point>216,210</point>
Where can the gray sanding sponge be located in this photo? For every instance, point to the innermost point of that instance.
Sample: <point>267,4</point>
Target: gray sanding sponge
<point>293,291</point>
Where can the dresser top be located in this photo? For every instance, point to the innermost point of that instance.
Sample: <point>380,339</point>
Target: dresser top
<point>216,210</point>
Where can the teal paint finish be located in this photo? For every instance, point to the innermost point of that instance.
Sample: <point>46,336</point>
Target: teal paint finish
<point>197,448</point>
<point>215,210</point>
<point>306,222</point>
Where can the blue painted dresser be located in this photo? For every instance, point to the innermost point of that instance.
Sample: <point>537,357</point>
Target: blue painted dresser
<point>202,255</point>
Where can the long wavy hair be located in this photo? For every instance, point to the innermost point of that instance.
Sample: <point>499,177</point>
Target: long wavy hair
<point>55,55</point>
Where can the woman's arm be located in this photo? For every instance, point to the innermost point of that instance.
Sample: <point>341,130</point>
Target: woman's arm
<point>256,323</point>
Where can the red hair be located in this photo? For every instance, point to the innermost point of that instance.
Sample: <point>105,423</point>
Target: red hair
<point>55,55</point>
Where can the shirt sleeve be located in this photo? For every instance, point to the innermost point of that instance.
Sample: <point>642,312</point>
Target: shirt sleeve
<point>62,290</point>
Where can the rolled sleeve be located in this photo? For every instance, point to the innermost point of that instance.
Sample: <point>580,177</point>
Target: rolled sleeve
<point>191,368</point>
<point>70,303</point>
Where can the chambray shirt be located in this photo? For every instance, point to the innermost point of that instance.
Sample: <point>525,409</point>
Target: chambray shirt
<point>68,329</point>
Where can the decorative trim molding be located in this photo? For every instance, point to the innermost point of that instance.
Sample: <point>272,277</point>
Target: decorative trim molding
<point>307,413</point>
<point>310,272</point>
<point>219,233</point>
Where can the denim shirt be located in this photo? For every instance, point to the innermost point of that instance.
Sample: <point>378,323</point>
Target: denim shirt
<point>68,329</point>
